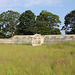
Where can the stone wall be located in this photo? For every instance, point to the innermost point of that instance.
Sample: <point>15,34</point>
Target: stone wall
<point>22,39</point>
<point>18,39</point>
<point>5,41</point>
<point>37,39</point>
<point>48,39</point>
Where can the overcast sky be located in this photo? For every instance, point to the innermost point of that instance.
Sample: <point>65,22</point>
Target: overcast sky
<point>58,7</point>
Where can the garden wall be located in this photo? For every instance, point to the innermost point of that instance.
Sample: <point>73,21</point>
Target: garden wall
<point>48,39</point>
<point>37,39</point>
<point>18,39</point>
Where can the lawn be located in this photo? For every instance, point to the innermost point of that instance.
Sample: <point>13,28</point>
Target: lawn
<point>53,59</point>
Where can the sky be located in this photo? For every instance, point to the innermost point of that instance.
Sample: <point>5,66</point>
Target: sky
<point>58,7</point>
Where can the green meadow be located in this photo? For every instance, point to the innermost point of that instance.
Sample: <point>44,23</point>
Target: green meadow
<point>53,59</point>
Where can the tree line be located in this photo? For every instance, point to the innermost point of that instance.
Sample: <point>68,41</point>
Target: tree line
<point>46,23</point>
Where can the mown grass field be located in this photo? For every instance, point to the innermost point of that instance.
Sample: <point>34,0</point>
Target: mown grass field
<point>54,59</point>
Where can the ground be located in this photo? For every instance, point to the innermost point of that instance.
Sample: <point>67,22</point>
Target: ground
<point>53,59</point>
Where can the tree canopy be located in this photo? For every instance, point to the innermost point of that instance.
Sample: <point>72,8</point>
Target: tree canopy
<point>27,22</point>
<point>8,22</point>
<point>47,23</point>
<point>69,22</point>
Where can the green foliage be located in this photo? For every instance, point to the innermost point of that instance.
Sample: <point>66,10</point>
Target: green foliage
<point>2,35</point>
<point>53,59</point>
<point>69,26</point>
<point>8,22</point>
<point>12,23</point>
<point>47,23</point>
<point>27,21</point>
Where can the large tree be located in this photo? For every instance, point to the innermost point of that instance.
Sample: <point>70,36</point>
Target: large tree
<point>8,22</point>
<point>27,22</point>
<point>47,23</point>
<point>69,22</point>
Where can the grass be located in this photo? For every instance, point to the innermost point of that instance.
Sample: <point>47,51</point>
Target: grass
<point>53,59</point>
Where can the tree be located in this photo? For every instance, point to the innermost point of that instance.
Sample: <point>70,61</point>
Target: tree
<point>8,22</point>
<point>47,23</point>
<point>69,22</point>
<point>27,22</point>
<point>2,35</point>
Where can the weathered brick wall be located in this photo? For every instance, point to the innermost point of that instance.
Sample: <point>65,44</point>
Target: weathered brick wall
<point>5,41</point>
<point>45,39</point>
